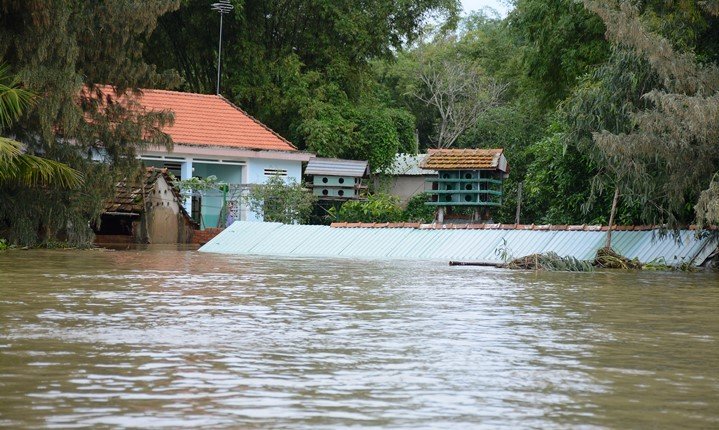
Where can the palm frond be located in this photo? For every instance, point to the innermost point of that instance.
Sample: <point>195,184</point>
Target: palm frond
<point>31,170</point>
<point>13,99</point>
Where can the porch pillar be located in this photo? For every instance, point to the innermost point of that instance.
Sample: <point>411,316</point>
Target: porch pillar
<point>186,173</point>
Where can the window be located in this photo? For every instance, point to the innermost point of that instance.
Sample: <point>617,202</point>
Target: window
<point>275,172</point>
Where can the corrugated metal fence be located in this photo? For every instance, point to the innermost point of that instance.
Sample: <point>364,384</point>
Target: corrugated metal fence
<point>487,246</point>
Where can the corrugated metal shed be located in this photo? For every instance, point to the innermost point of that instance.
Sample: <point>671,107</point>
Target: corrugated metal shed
<point>336,167</point>
<point>477,245</point>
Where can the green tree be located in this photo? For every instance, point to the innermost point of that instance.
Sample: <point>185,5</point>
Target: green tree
<point>456,88</point>
<point>59,48</point>
<point>287,60</point>
<point>672,143</point>
<point>560,41</point>
<point>16,166</point>
<point>378,207</point>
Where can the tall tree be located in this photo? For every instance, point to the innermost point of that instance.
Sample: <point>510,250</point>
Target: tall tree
<point>16,166</point>
<point>672,146</point>
<point>297,64</point>
<point>560,42</point>
<point>57,47</point>
<point>456,88</point>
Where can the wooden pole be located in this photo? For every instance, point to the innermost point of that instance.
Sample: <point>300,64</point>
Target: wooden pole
<point>519,202</point>
<point>612,213</point>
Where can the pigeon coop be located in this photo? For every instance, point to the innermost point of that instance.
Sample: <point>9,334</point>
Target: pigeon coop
<point>335,179</point>
<point>466,179</point>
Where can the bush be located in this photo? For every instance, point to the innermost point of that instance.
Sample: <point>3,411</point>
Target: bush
<point>278,201</point>
<point>377,208</point>
<point>418,211</point>
<point>381,207</point>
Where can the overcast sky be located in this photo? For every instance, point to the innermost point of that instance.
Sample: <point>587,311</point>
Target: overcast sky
<point>499,5</point>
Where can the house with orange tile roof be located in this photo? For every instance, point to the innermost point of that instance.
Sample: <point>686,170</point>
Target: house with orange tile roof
<point>213,137</point>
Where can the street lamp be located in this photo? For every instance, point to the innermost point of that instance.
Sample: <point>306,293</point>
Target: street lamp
<point>223,7</point>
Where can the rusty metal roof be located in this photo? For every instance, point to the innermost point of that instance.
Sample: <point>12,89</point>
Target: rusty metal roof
<point>457,159</point>
<point>407,165</point>
<point>131,194</point>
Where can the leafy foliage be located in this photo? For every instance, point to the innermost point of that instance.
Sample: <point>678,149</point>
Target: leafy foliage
<point>674,129</point>
<point>16,166</point>
<point>378,207</point>
<point>279,201</point>
<point>33,171</point>
<point>198,185</point>
<point>560,42</point>
<point>58,48</point>
<point>551,262</point>
<point>417,211</point>
<point>382,207</point>
<point>456,88</point>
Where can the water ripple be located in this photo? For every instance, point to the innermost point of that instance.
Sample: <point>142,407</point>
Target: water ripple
<point>176,339</point>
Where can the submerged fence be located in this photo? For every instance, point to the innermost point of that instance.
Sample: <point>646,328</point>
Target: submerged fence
<point>476,245</point>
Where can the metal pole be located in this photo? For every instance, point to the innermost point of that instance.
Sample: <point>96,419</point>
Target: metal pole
<point>219,57</point>
<point>223,7</point>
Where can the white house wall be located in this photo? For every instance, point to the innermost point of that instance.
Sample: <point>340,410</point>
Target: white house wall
<point>257,167</point>
<point>256,174</point>
<point>252,172</point>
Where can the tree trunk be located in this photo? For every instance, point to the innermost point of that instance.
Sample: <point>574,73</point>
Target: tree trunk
<point>519,203</point>
<point>613,212</point>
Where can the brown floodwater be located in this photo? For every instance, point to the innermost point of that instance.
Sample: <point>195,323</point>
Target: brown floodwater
<point>166,338</point>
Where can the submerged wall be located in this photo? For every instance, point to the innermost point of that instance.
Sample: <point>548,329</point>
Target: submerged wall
<point>487,245</point>
<point>163,219</point>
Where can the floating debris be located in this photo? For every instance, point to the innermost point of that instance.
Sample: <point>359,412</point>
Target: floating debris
<point>550,262</point>
<point>607,258</point>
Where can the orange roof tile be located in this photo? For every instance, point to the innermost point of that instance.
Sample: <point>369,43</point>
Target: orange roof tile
<point>546,227</point>
<point>209,120</point>
<point>453,159</point>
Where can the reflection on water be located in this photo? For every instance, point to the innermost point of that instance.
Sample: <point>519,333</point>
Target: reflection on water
<point>168,338</point>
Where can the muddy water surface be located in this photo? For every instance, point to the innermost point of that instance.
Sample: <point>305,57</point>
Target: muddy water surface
<point>163,338</point>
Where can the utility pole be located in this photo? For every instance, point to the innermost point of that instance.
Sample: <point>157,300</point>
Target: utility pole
<point>223,7</point>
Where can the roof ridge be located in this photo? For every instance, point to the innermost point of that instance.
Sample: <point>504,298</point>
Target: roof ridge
<point>184,93</point>
<point>257,121</point>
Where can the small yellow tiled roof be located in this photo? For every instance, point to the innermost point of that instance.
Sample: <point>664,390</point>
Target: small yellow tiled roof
<point>457,159</point>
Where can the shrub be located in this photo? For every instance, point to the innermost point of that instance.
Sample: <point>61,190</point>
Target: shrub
<point>418,211</point>
<point>279,201</point>
<point>377,208</point>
